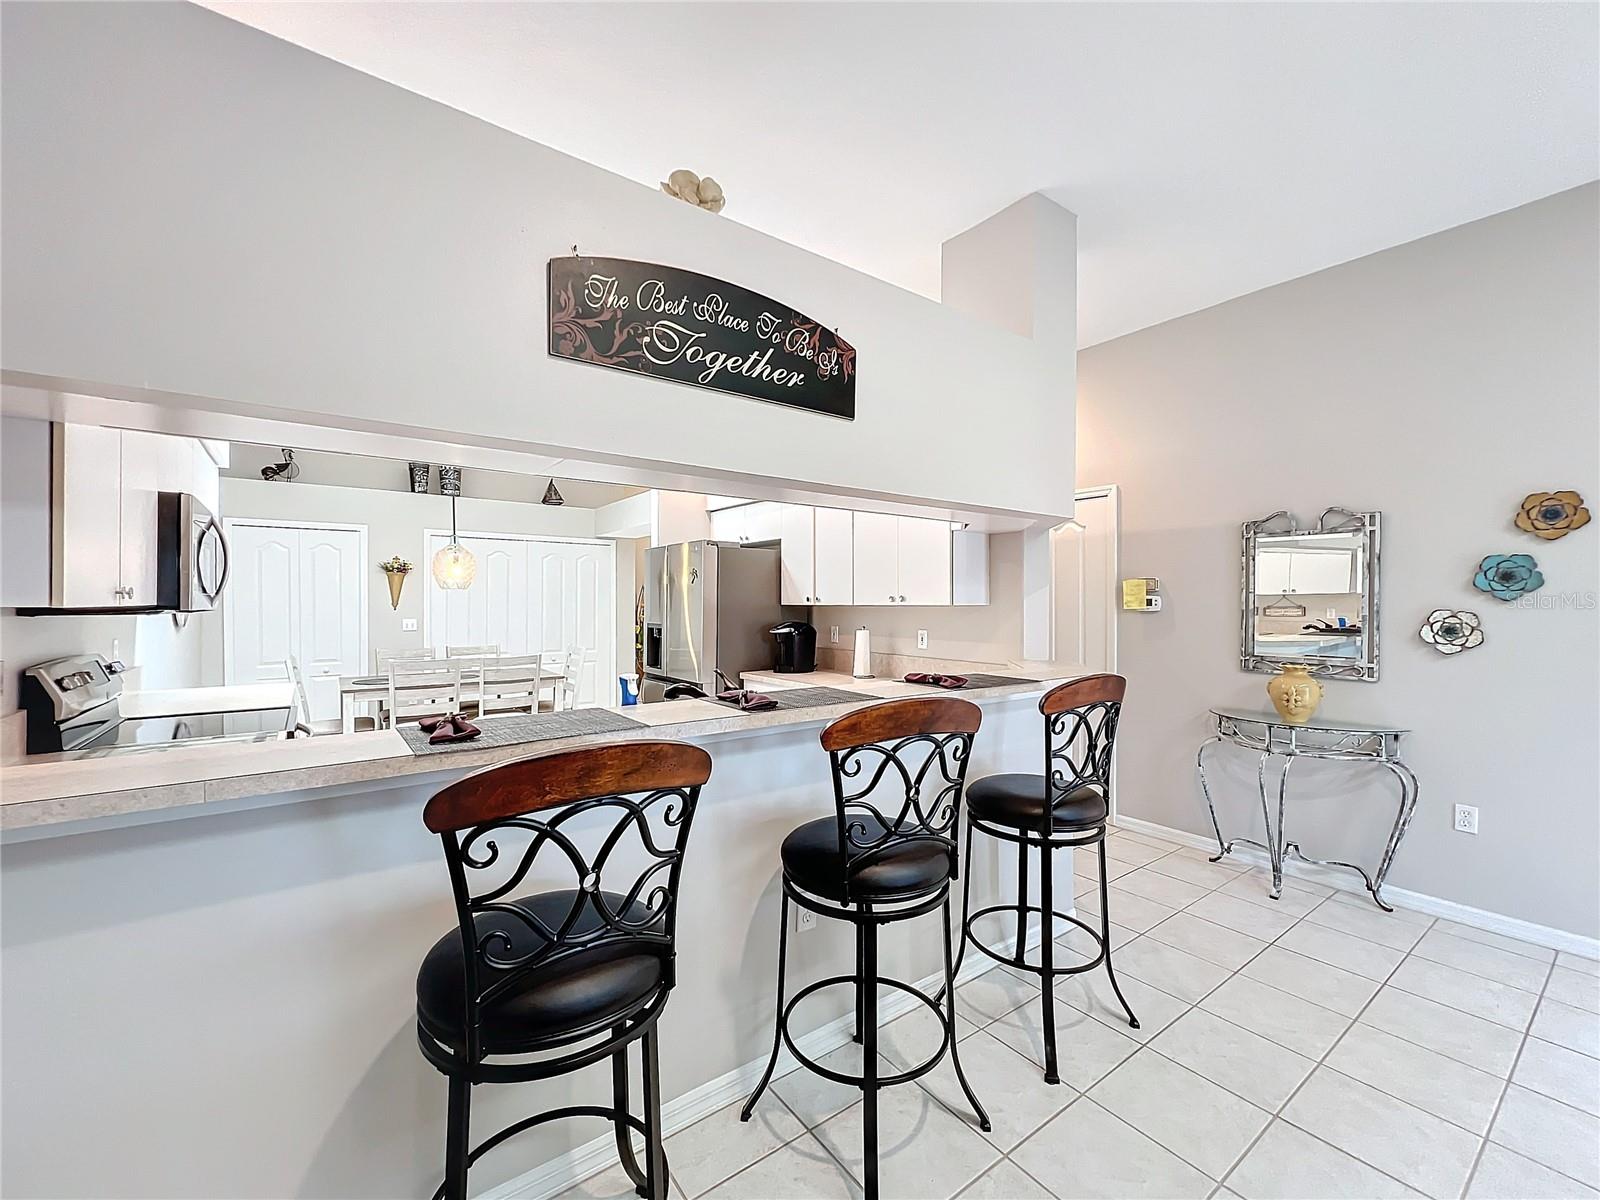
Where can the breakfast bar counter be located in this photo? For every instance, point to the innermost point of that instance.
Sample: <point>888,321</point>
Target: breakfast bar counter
<point>290,889</point>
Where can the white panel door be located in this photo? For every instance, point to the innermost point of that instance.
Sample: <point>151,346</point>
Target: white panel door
<point>924,561</point>
<point>834,558</point>
<point>332,615</point>
<point>875,555</point>
<point>260,607</point>
<point>796,553</point>
<point>494,611</point>
<point>296,591</point>
<point>1084,561</point>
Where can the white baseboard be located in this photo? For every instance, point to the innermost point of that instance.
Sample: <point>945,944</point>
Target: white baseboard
<point>1344,881</point>
<point>562,1172</point>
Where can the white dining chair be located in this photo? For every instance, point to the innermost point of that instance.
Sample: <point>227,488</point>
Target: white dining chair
<point>304,726</point>
<point>382,658</point>
<point>423,688</point>
<point>472,651</point>
<point>573,670</point>
<point>509,684</point>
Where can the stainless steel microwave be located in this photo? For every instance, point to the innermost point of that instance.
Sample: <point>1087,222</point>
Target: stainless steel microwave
<point>191,554</point>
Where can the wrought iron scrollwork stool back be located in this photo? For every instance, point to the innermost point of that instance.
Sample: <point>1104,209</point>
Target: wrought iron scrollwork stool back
<point>888,853</point>
<point>566,978</point>
<point>1080,730</point>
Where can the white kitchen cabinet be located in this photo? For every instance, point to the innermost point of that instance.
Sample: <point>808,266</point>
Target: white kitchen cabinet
<point>761,522</point>
<point>205,480</point>
<point>148,461</point>
<point>797,551</point>
<point>1272,573</point>
<point>876,558</point>
<point>1321,571</point>
<point>923,561</point>
<point>834,556</point>
<point>86,533</point>
<point>969,567</point>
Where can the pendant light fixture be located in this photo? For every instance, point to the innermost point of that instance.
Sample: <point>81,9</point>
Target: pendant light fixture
<point>454,568</point>
<point>552,494</point>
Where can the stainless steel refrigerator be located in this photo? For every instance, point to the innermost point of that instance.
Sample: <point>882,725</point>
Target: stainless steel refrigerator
<point>708,606</point>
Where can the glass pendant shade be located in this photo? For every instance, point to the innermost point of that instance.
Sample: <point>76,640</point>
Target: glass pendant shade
<point>454,568</point>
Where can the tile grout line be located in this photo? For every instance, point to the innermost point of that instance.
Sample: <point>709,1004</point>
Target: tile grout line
<point>1477,1159</point>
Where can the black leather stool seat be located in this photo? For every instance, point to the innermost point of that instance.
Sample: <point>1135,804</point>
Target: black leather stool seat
<point>1017,801</point>
<point>584,991</point>
<point>812,859</point>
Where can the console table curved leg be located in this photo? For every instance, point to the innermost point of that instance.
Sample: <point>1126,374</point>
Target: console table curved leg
<point>1205,788</point>
<point>1409,790</point>
<point>1275,839</point>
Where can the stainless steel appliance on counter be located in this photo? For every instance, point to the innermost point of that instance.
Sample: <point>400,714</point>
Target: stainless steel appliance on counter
<point>74,704</point>
<point>707,609</point>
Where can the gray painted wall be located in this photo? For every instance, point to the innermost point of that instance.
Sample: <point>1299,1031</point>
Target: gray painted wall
<point>1439,382</point>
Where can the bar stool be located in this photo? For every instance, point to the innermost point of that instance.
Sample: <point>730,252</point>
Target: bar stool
<point>1080,729</point>
<point>572,976</point>
<point>875,863</point>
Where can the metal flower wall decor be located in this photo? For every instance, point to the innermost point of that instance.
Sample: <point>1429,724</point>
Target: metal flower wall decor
<point>1551,515</point>
<point>1452,630</point>
<point>1508,576</point>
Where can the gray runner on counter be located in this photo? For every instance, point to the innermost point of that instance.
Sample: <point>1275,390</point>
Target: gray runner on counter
<point>514,730</point>
<point>814,697</point>
<point>976,681</point>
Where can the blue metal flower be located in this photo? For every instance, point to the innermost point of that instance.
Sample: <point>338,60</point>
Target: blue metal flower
<point>1507,576</point>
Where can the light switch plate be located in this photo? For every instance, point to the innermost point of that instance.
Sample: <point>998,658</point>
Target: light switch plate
<point>833,634</point>
<point>408,625</point>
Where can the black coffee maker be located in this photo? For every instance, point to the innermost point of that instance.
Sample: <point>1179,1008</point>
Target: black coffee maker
<point>797,647</point>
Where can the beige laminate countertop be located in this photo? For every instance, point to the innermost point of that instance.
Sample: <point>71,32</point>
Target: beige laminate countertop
<point>64,789</point>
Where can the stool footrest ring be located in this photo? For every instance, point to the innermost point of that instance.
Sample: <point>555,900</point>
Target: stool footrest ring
<point>905,1076</point>
<point>576,1110</point>
<point>1016,958</point>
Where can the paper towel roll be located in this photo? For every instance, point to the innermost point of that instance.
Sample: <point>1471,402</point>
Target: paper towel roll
<point>862,666</point>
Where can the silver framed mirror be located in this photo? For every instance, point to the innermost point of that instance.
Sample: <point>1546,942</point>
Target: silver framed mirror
<point>1310,596</point>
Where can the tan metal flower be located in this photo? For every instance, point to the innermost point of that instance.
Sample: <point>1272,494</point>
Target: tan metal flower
<point>1551,515</point>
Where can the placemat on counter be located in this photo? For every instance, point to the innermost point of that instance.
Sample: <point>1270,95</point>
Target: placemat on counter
<point>812,697</point>
<point>515,730</point>
<point>977,681</point>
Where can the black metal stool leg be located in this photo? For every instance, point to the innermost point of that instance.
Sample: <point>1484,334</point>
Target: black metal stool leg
<point>950,1017</point>
<point>869,1059</point>
<point>1020,953</point>
<point>1105,934</point>
<point>1047,929</point>
<point>966,907</point>
<point>861,971</point>
<point>655,1153</point>
<point>619,1102</point>
<point>457,1139</point>
<point>777,1022</point>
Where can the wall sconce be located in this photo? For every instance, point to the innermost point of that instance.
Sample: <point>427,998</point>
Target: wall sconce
<point>395,570</point>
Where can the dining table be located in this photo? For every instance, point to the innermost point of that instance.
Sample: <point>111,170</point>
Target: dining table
<point>369,689</point>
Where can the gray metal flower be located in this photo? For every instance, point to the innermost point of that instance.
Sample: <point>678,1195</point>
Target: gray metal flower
<point>1450,630</point>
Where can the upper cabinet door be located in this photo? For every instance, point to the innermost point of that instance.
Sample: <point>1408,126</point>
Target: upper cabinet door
<point>876,559</point>
<point>797,569</point>
<point>85,537</point>
<point>729,524</point>
<point>833,557</point>
<point>924,553</point>
<point>1272,573</point>
<point>764,521</point>
<point>144,455</point>
<point>1321,571</point>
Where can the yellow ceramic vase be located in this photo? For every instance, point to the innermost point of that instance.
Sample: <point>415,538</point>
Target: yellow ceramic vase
<point>1295,694</point>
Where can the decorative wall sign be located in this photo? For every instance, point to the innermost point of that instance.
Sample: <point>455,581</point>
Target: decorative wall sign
<point>690,328</point>
<point>1452,630</point>
<point>1551,515</point>
<point>1507,576</point>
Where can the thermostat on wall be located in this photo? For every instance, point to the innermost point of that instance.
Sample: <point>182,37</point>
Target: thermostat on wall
<point>1141,595</point>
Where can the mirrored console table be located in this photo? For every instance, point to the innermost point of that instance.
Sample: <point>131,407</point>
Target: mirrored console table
<point>1271,737</point>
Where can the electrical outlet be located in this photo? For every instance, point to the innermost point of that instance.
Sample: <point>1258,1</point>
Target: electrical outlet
<point>833,634</point>
<point>408,625</point>
<point>922,639</point>
<point>804,919</point>
<point>1466,818</point>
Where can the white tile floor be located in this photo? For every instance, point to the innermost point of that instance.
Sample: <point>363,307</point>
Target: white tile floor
<point>1310,1047</point>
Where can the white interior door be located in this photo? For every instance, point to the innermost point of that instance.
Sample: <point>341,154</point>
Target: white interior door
<point>534,596</point>
<point>296,591</point>
<point>333,614</point>
<point>1084,565</point>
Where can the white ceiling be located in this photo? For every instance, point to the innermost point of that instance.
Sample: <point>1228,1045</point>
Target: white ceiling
<point>1208,149</point>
